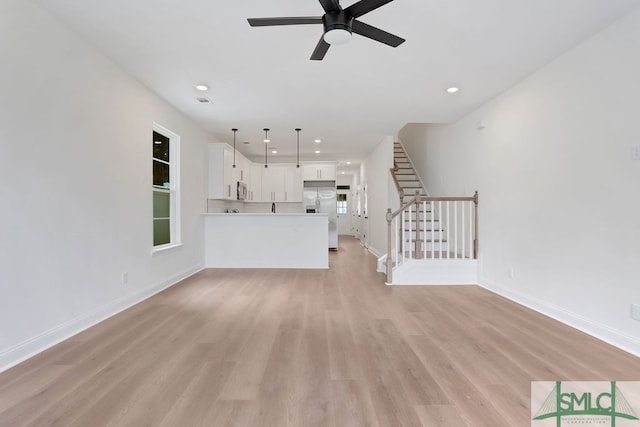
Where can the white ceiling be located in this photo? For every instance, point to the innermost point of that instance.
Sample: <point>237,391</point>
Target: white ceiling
<point>361,92</point>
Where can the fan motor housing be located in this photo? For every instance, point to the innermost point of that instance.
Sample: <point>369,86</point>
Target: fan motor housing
<point>337,20</point>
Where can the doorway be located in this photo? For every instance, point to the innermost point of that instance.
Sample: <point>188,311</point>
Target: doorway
<point>343,210</point>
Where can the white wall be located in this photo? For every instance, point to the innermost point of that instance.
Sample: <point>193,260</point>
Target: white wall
<point>559,199</point>
<point>75,167</point>
<point>375,175</point>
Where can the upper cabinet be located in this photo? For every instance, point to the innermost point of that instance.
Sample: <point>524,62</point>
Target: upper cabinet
<point>220,178</point>
<point>277,183</point>
<point>242,170</point>
<point>319,172</point>
<point>281,183</point>
<point>254,190</point>
<point>292,184</point>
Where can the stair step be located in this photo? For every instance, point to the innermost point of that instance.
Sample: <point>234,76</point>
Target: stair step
<point>407,177</point>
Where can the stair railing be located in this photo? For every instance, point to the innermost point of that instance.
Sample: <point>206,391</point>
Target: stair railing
<point>443,228</point>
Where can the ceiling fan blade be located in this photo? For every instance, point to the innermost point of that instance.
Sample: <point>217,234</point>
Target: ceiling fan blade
<point>321,50</point>
<point>297,20</point>
<point>376,34</point>
<point>365,6</point>
<point>329,5</point>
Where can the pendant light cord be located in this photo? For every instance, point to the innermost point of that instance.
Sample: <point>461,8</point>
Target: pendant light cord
<point>234,146</point>
<point>298,148</point>
<point>266,141</point>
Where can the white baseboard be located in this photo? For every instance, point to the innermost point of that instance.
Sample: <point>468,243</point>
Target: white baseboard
<point>598,330</point>
<point>29,348</point>
<point>374,251</point>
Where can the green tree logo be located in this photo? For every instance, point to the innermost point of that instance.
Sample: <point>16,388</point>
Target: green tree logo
<point>610,403</point>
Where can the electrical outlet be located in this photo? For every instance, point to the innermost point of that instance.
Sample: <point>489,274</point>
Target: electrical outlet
<point>125,278</point>
<point>635,152</point>
<point>635,311</point>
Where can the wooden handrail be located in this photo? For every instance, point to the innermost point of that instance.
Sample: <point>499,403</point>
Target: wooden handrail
<point>418,198</point>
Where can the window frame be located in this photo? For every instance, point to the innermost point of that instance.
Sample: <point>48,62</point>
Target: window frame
<point>175,238</point>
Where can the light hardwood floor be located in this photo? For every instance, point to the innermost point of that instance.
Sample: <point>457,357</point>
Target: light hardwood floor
<point>306,348</point>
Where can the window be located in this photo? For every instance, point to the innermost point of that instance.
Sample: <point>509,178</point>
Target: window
<point>341,204</point>
<point>166,188</point>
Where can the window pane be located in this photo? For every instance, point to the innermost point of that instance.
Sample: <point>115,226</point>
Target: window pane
<point>161,174</point>
<point>161,232</point>
<point>161,205</point>
<point>160,146</point>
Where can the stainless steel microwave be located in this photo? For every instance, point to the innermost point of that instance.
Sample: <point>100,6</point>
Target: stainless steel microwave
<point>242,190</point>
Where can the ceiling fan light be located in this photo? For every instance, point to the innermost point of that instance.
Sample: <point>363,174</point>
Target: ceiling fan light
<point>337,36</point>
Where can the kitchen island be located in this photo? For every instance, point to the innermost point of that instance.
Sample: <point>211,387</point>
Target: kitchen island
<point>266,240</point>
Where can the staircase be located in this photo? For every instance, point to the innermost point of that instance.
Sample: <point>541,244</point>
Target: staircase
<point>417,223</point>
<point>431,240</point>
<point>405,176</point>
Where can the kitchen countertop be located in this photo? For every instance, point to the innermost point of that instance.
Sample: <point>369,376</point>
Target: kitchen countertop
<point>263,214</point>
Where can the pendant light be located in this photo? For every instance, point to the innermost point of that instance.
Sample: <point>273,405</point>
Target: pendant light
<point>298,148</point>
<point>266,141</point>
<point>234,146</point>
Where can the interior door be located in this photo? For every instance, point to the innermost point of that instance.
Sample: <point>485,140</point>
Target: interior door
<point>344,213</point>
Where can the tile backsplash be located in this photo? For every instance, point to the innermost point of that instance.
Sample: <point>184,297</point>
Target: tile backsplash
<point>219,206</point>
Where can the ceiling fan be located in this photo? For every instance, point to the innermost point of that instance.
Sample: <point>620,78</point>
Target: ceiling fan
<point>338,24</point>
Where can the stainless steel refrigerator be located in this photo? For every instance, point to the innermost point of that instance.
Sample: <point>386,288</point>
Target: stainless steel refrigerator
<point>320,197</point>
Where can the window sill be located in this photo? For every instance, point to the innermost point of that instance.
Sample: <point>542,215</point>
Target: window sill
<point>165,248</point>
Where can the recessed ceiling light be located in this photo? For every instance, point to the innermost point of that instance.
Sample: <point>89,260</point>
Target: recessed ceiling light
<point>202,88</point>
<point>453,89</point>
<point>157,142</point>
<point>274,151</point>
<point>317,151</point>
<point>348,163</point>
<point>317,141</point>
<point>342,172</point>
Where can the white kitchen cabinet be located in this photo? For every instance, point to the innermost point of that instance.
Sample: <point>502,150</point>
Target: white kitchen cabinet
<point>281,183</point>
<point>319,172</point>
<point>242,170</point>
<point>277,183</point>
<point>254,184</point>
<point>221,183</point>
<point>292,184</point>
<point>273,184</point>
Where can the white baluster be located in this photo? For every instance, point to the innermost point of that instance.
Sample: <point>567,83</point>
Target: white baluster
<point>424,230</point>
<point>470,229</point>
<point>464,235</point>
<point>433,230</point>
<point>403,234</point>
<point>410,229</point>
<point>455,229</point>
